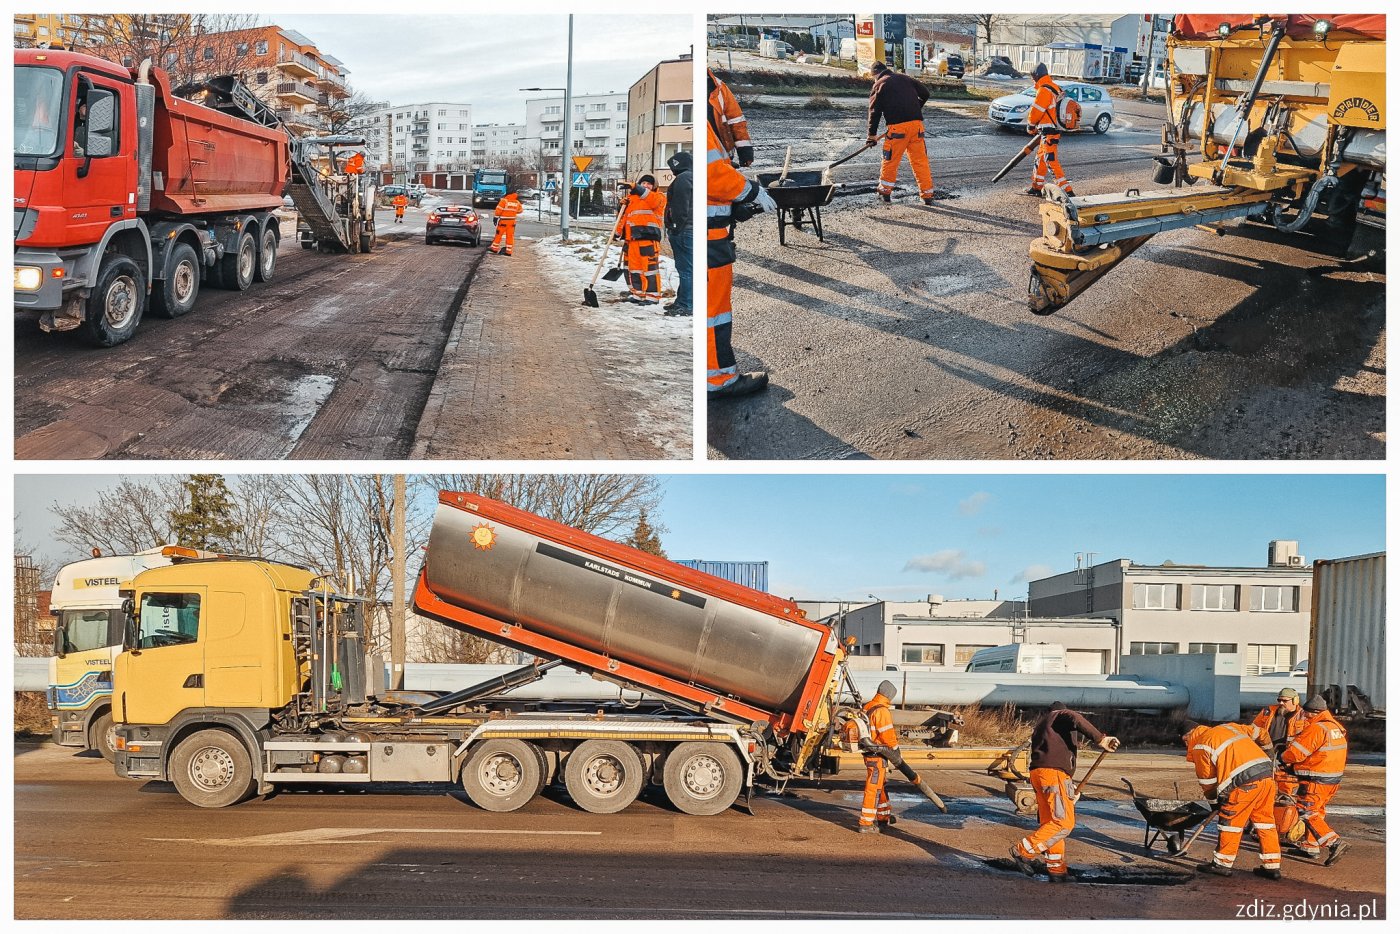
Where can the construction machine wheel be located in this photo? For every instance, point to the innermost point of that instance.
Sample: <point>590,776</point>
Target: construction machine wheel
<point>212,769</point>
<point>116,303</point>
<point>503,774</point>
<point>366,242</point>
<point>236,269</point>
<point>703,778</point>
<point>604,776</point>
<point>267,255</point>
<point>102,736</point>
<point>174,295</point>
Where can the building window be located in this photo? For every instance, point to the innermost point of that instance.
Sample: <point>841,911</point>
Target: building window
<point>674,114</point>
<point>622,107</point>
<point>1215,597</point>
<point>665,151</point>
<point>262,77</point>
<point>551,110</point>
<point>620,144</point>
<point>578,108</point>
<point>242,48</point>
<point>962,654</point>
<point>921,654</point>
<point>1273,599</point>
<point>1152,648</point>
<point>1156,596</point>
<point>261,46</point>
<point>1263,659</point>
<point>578,126</point>
<point>208,53</point>
<point>1213,648</point>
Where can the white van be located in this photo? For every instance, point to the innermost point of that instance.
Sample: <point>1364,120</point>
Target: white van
<point>1041,658</point>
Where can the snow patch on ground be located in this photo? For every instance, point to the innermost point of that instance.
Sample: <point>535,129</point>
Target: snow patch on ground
<point>655,350</point>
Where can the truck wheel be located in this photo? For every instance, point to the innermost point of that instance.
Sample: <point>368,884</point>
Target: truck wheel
<point>174,295</point>
<point>236,269</point>
<point>703,778</point>
<point>366,242</point>
<point>603,776</point>
<point>503,774</point>
<point>267,255</point>
<point>212,769</point>
<point>117,301</point>
<point>102,736</point>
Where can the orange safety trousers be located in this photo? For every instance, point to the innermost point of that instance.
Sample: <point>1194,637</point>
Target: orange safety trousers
<point>875,806</point>
<point>906,139</point>
<point>1249,804</point>
<point>721,369</point>
<point>644,269</point>
<point>505,234</point>
<point>1312,810</point>
<point>1047,162</point>
<point>1054,799</point>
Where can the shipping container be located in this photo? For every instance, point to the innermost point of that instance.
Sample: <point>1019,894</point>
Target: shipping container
<point>752,574</point>
<point>1346,662</point>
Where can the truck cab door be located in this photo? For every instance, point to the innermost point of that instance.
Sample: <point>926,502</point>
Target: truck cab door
<point>162,671</point>
<point>99,157</point>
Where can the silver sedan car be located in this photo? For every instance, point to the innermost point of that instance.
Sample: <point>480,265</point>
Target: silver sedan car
<point>1095,106</point>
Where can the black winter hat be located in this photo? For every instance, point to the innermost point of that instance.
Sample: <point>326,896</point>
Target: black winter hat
<point>682,161</point>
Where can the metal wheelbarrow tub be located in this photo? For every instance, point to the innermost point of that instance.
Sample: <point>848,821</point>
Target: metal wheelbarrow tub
<point>799,200</point>
<point>1168,818</point>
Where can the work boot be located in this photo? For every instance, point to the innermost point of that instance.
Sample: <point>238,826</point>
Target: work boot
<point>1264,872</point>
<point>676,311</point>
<point>1033,192</point>
<point>1060,878</point>
<point>1305,852</point>
<point>746,383</point>
<point>1214,869</point>
<point>1334,852</point>
<point>939,195</point>
<point>885,197</point>
<point>886,821</point>
<point>867,828</point>
<point>1025,865</point>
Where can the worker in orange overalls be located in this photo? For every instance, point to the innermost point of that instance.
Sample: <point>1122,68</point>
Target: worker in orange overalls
<point>1044,118</point>
<point>400,202</point>
<point>727,194</point>
<point>1318,756</point>
<point>355,165</point>
<point>730,125</point>
<point>1277,725</point>
<point>507,210</point>
<point>1238,776</point>
<point>640,227</point>
<point>1053,755</point>
<point>899,100</point>
<point>875,805</point>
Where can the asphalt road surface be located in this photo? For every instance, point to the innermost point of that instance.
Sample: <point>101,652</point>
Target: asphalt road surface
<point>90,845</point>
<point>905,334</point>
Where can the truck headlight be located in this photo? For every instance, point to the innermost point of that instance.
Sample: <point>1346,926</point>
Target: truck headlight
<point>28,278</point>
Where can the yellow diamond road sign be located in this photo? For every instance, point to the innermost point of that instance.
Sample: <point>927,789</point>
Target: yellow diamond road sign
<point>581,163</point>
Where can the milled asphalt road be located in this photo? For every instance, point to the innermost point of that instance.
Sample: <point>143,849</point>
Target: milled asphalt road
<point>905,334</point>
<point>90,845</point>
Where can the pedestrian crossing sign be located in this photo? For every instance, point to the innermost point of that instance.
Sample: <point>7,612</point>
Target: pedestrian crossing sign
<point>581,180</point>
<point>550,185</point>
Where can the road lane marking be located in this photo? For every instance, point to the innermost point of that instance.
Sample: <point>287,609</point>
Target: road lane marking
<point>342,835</point>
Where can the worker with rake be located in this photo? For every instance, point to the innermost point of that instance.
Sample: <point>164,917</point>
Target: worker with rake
<point>1053,744</point>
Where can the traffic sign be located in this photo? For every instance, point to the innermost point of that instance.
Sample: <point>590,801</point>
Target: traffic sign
<point>581,180</point>
<point>581,163</point>
<point>550,185</point>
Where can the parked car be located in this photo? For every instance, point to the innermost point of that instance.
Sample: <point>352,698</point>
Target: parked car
<point>953,66</point>
<point>1095,105</point>
<point>453,222</point>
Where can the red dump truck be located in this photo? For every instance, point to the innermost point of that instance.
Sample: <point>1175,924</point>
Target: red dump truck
<point>127,195</point>
<point>241,676</point>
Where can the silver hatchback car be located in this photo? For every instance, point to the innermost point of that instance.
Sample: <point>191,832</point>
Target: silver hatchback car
<point>1095,106</point>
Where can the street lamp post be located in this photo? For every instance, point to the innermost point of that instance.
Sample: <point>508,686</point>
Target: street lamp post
<point>566,157</point>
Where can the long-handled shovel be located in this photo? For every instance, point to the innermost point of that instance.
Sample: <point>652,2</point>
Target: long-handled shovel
<point>1079,785</point>
<point>1016,159</point>
<point>826,173</point>
<point>1214,812</point>
<point>590,297</point>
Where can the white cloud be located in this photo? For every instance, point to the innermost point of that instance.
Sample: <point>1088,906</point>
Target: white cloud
<point>974,503</point>
<point>952,563</point>
<point>1033,572</point>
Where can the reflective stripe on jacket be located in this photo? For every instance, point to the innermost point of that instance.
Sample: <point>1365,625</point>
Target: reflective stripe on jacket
<point>724,188</point>
<point>1319,752</point>
<point>730,124</point>
<point>882,722</point>
<point>1042,112</point>
<point>1225,756</point>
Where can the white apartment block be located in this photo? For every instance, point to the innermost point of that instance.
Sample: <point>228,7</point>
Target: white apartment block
<point>432,137</point>
<point>496,143</point>
<point>599,129</point>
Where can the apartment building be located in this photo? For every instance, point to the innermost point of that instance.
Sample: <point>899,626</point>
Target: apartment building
<point>598,127</point>
<point>495,144</point>
<point>431,137</point>
<point>661,119</point>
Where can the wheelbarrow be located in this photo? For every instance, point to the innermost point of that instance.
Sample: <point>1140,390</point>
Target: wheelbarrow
<point>799,199</point>
<point>1168,819</point>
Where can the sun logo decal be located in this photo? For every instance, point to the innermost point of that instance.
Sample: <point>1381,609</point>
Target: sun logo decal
<point>483,537</point>
<point>675,595</point>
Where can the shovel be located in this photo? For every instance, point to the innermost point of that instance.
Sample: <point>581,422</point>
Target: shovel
<point>590,297</point>
<point>1016,159</point>
<point>782,181</point>
<point>1214,812</point>
<point>826,173</point>
<point>1083,781</point>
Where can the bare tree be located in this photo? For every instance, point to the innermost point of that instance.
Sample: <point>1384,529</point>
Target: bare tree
<point>985,23</point>
<point>132,517</point>
<point>189,46</point>
<point>603,504</point>
<point>341,113</point>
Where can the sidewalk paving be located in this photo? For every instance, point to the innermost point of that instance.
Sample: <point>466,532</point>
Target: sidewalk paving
<point>526,375</point>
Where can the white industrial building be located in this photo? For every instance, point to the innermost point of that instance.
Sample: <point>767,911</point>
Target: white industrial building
<point>1077,45</point>
<point>432,137</point>
<point>494,144</point>
<point>1262,613</point>
<point>598,128</point>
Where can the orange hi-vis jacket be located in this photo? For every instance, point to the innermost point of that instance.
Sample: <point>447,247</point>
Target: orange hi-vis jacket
<point>1042,115</point>
<point>400,201</point>
<point>882,722</point>
<point>509,208</point>
<point>642,218</point>
<point>725,187</point>
<point>727,119</point>
<point>1225,757</point>
<point>1319,753</point>
<point>1266,718</point>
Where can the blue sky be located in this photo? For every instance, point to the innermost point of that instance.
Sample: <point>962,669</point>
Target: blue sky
<point>904,536</point>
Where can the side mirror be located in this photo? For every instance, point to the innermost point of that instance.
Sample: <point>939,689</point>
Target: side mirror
<point>60,638</point>
<point>131,642</point>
